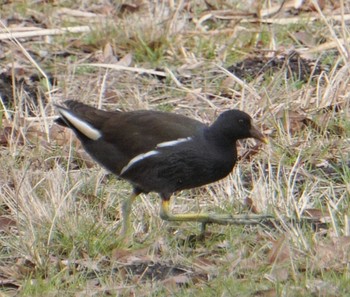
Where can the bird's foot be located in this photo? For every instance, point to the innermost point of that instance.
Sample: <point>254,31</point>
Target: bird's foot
<point>244,219</point>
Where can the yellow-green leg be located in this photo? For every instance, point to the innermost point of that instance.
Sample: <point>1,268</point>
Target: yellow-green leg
<point>206,218</point>
<point>126,210</point>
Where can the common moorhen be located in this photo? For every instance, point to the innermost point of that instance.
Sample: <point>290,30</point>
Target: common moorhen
<point>162,152</point>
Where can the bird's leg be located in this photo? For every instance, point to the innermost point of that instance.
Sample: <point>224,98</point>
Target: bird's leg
<point>207,218</point>
<point>126,210</point>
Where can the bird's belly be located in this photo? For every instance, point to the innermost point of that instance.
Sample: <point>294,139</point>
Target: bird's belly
<point>169,179</point>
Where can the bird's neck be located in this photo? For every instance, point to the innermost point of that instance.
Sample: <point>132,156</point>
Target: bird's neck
<point>215,134</point>
<point>221,143</point>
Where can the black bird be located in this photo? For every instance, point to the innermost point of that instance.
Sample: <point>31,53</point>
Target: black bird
<point>161,152</point>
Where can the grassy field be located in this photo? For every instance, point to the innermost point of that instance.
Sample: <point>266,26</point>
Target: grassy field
<point>60,214</point>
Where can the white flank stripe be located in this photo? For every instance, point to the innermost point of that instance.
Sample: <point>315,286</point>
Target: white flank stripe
<point>83,127</point>
<point>138,158</point>
<point>173,142</point>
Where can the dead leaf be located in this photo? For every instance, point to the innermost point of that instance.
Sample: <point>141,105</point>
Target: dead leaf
<point>130,256</point>
<point>305,38</point>
<point>209,5</point>
<point>248,264</point>
<point>280,251</point>
<point>6,223</point>
<point>103,9</point>
<point>278,274</point>
<point>111,96</point>
<point>176,280</point>
<point>127,8</point>
<point>118,254</point>
<point>7,283</point>
<point>126,60</point>
<point>60,135</point>
<point>108,54</point>
<point>9,134</point>
<point>25,267</point>
<point>82,264</point>
<point>322,288</point>
<point>205,264</point>
<point>317,214</point>
<point>312,5</point>
<point>293,121</point>
<point>333,255</point>
<point>35,135</point>
<point>252,207</point>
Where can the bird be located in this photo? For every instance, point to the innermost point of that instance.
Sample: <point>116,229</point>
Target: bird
<point>162,152</point>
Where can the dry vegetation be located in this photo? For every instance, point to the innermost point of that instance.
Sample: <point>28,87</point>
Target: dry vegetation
<point>60,213</point>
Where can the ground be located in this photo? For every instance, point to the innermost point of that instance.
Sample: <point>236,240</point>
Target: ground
<point>286,64</point>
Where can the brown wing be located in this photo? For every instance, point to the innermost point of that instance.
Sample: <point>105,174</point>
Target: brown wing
<point>138,132</point>
<point>128,134</point>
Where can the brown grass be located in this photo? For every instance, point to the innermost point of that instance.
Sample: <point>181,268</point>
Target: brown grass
<point>60,212</point>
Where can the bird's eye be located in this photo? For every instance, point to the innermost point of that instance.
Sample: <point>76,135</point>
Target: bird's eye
<point>243,123</point>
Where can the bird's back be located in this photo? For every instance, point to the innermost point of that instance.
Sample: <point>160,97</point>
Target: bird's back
<point>125,135</point>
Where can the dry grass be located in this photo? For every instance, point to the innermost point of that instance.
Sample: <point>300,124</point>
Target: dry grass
<point>60,213</point>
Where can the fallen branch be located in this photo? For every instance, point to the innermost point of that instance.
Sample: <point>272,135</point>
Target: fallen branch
<point>44,32</point>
